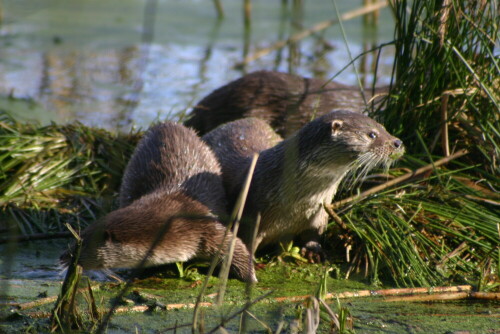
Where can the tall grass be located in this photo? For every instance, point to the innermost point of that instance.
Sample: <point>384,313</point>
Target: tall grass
<point>425,235</point>
<point>444,97</point>
<point>447,77</point>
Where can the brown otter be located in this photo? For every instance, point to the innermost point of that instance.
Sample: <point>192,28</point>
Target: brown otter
<point>171,189</point>
<point>293,179</point>
<point>238,141</point>
<point>285,101</point>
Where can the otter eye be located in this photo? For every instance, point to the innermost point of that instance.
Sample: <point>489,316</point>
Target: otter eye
<point>372,135</point>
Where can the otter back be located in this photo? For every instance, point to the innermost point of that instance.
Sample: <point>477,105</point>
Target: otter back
<point>234,144</point>
<point>169,158</point>
<point>171,188</point>
<point>285,101</point>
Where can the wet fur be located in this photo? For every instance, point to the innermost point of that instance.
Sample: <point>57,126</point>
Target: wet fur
<point>171,189</point>
<point>238,141</point>
<point>294,179</point>
<point>285,101</point>
<point>172,158</point>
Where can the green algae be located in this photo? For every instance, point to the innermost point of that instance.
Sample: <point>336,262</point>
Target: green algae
<point>429,317</point>
<point>143,308</point>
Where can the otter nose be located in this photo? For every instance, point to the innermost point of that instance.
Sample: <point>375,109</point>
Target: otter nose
<point>398,143</point>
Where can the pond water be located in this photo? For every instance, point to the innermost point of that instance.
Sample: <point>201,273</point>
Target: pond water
<point>118,63</point>
<point>29,272</point>
<point>91,61</point>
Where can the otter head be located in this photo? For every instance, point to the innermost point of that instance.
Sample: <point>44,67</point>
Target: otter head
<point>351,141</point>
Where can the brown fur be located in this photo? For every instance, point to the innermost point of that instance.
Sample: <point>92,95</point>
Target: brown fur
<point>171,158</point>
<point>238,141</point>
<point>171,188</point>
<point>293,179</point>
<point>285,101</point>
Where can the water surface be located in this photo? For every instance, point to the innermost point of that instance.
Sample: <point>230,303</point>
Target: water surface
<point>115,63</point>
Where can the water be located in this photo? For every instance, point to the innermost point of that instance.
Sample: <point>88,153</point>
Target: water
<point>94,62</point>
<point>33,275</point>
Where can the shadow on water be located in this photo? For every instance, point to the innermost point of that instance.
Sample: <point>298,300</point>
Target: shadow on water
<point>32,260</point>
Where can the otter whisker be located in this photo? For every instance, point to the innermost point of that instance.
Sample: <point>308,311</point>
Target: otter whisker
<point>360,168</point>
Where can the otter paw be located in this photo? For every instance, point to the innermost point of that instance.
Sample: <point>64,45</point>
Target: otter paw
<point>313,252</point>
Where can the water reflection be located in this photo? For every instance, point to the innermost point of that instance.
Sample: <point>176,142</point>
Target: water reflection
<point>32,260</point>
<point>119,84</point>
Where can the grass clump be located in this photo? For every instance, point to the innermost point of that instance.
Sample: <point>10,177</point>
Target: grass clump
<point>426,237</point>
<point>444,97</point>
<point>447,78</point>
<point>57,173</point>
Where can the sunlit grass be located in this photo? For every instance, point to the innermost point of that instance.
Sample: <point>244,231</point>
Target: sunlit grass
<point>444,97</point>
<point>424,237</point>
<point>57,170</point>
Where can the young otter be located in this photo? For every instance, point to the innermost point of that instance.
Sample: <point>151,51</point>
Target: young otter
<point>171,188</point>
<point>285,101</point>
<point>293,179</point>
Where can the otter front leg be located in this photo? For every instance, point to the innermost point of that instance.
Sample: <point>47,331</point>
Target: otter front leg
<point>309,238</point>
<point>311,249</point>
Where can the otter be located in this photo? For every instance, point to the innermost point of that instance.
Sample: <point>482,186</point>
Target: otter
<point>237,141</point>
<point>170,195</point>
<point>295,178</point>
<point>286,101</point>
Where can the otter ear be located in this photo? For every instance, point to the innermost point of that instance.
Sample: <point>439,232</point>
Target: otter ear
<point>336,126</point>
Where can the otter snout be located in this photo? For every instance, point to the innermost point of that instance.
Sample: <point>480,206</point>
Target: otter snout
<point>397,143</point>
<point>397,148</point>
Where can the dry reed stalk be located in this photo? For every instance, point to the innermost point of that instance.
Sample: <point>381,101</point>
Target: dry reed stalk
<point>485,295</point>
<point>443,21</point>
<point>234,222</point>
<point>168,307</point>
<point>382,293</point>
<point>219,9</point>
<point>436,297</point>
<point>36,303</point>
<point>448,296</point>
<point>237,214</point>
<point>433,297</point>
<point>247,12</point>
<point>444,120</point>
<point>410,294</point>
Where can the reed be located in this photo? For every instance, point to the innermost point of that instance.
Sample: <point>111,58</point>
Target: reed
<point>443,103</point>
<point>446,80</point>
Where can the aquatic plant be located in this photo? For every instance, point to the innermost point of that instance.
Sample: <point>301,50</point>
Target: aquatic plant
<point>444,98</point>
<point>429,230</point>
<point>57,173</point>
